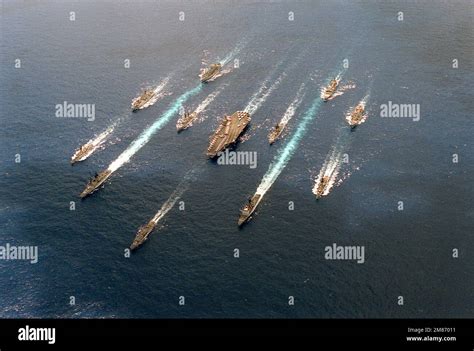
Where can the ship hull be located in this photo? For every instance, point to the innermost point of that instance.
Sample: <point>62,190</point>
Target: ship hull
<point>91,189</point>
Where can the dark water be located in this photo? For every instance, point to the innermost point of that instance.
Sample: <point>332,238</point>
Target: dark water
<point>81,252</point>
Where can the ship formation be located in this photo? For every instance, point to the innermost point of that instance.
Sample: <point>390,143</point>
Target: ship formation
<point>226,134</point>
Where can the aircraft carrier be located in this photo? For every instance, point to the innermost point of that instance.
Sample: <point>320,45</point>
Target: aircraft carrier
<point>227,132</point>
<point>249,208</point>
<point>142,234</point>
<point>356,116</point>
<point>210,72</point>
<point>330,89</point>
<point>186,121</point>
<point>141,100</point>
<point>95,183</point>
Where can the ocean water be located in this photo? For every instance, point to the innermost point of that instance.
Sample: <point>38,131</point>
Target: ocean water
<point>408,253</point>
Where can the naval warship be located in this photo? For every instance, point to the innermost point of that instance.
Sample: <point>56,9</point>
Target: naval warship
<point>227,132</point>
<point>330,89</point>
<point>322,187</point>
<point>95,183</point>
<point>275,132</point>
<point>249,208</point>
<point>210,72</point>
<point>356,116</point>
<point>142,234</point>
<point>186,121</point>
<point>83,152</point>
<point>141,100</point>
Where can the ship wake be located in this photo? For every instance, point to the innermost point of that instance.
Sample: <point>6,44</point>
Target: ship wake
<point>207,101</point>
<point>330,169</point>
<point>148,133</point>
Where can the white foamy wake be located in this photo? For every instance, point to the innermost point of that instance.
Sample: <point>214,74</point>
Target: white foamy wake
<point>233,53</point>
<point>290,111</point>
<point>210,98</point>
<point>175,195</point>
<point>330,169</point>
<point>262,94</point>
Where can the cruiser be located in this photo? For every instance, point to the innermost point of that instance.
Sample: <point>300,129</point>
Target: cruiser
<point>142,234</point>
<point>322,187</point>
<point>95,183</point>
<point>357,116</point>
<point>227,132</point>
<point>210,72</point>
<point>249,208</point>
<point>275,132</point>
<point>141,100</point>
<point>83,152</point>
<point>186,121</point>
<point>330,89</point>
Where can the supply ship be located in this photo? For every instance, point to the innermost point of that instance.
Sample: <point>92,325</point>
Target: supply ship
<point>330,90</point>
<point>211,72</point>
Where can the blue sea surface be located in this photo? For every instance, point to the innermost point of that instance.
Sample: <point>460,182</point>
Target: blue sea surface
<point>82,252</point>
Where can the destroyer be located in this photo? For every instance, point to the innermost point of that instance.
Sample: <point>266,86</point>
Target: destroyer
<point>186,121</point>
<point>322,187</point>
<point>357,116</point>
<point>276,132</point>
<point>83,152</point>
<point>211,72</point>
<point>142,100</point>
<point>142,234</point>
<point>95,183</point>
<point>227,132</point>
<point>249,208</point>
<point>330,89</point>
